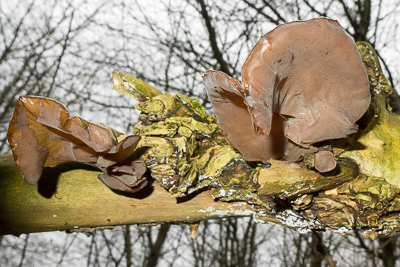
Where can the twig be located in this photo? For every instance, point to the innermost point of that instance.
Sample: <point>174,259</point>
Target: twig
<point>323,250</point>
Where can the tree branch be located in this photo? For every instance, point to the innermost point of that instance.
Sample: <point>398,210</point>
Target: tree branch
<point>324,251</point>
<point>213,39</point>
<point>70,196</point>
<point>155,249</point>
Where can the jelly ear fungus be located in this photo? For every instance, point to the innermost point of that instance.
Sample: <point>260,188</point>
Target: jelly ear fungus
<point>302,83</point>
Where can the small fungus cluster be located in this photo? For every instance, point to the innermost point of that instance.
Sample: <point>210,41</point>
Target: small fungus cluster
<point>302,83</point>
<point>41,134</point>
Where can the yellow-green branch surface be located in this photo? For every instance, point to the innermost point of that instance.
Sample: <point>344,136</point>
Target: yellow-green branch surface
<point>71,197</point>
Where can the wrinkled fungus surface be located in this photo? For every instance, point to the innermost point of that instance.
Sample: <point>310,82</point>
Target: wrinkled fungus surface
<point>233,117</point>
<point>41,134</point>
<point>303,82</point>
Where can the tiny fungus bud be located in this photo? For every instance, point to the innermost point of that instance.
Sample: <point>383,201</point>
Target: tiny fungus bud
<point>325,161</point>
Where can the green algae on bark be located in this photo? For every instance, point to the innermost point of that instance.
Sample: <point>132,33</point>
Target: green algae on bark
<point>376,149</point>
<point>132,87</point>
<point>300,180</point>
<point>186,152</point>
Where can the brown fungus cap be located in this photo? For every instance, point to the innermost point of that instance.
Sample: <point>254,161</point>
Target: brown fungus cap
<point>311,73</point>
<point>224,92</point>
<point>233,117</point>
<point>41,134</point>
<point>303,82</point>
<point>325,161</point>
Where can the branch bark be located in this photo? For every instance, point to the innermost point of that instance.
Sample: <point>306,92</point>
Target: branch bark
<point>71,197</point>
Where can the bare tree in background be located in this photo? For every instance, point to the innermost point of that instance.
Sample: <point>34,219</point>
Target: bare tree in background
<point>198,35</point>
<point>128,246</point>
<point>229,243</point>
<point>67,49</point>
<point>38,40</point>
